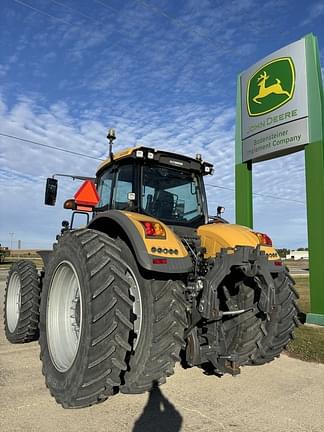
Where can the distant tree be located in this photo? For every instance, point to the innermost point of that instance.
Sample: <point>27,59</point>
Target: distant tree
<point>283,252</point>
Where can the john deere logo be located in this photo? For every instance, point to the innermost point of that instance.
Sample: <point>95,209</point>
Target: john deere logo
<point>271,86</point>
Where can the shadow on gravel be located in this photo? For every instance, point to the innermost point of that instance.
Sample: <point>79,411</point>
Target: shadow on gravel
<point>159,414</point>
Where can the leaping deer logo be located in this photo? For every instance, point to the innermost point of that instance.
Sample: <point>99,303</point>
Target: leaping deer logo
<point>266,91</point>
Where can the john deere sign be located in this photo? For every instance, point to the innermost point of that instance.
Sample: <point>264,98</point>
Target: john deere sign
<point>273,108</point>
<point>266,92</point>
<point>280,109</point>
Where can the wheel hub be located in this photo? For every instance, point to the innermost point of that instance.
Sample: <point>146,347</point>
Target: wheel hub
<point>13,301</point>
<point>64,316</point>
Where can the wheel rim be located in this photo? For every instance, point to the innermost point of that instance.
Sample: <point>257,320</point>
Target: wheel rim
<point>13,301</point>
<point>64,316</point>
<point>137,305</point>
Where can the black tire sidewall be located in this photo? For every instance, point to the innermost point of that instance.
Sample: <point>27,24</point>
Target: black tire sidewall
<point>72,378</point>
<point>20,332</point>
<point>11,335</point>
<point>139,357</point>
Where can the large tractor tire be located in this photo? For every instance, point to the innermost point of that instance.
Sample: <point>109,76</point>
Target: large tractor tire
<point>243,331</point>
<point>159,319</point>
<point>85,318</point>
<point>278,329</point>
<point>22,297</point>
<point>237,335</point>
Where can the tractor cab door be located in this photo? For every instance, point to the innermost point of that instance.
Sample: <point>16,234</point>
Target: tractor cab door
<point>124,186</point>
<point>116,186</point>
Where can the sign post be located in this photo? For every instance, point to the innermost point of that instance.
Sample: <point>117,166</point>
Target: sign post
<point>280,110</point>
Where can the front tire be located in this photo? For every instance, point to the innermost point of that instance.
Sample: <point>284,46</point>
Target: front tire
<point>84,319</point>
<point>22,298</point>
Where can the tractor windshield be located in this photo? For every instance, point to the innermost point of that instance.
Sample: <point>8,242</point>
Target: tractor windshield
<point>172,195</point>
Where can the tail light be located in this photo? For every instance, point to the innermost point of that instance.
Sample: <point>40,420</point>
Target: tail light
<point>153,230</point>
<point>264,239</point>
<point>160,261</point>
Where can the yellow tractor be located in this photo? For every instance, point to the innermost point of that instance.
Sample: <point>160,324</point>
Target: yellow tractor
<point>151,280</point>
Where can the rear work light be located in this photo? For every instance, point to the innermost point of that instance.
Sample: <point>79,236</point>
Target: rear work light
<point>153,230</point>
<point>264,239</point>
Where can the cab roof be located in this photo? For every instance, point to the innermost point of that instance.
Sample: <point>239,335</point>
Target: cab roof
<point>160,156</point>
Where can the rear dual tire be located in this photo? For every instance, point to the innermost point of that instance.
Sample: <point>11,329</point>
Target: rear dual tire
<point>84,319</point>
<point>156,348</point>
<point>22,298</point>
<point>254,337</point>
<point>103,324</point>
<point>278,330</point>
<point>259,338</point>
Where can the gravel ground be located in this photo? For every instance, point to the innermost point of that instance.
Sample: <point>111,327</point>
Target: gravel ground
<point>286,395</point>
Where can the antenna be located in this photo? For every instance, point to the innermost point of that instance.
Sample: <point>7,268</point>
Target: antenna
<point>111,137</point>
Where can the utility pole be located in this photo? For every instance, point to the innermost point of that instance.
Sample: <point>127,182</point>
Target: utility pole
<point>11,239</point>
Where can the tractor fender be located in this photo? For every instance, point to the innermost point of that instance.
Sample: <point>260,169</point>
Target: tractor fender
<point>215,237</point>
<point>166,255</point>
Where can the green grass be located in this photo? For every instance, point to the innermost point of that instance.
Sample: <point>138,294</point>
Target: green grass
<point>302,286</point>
<point>308,344</point>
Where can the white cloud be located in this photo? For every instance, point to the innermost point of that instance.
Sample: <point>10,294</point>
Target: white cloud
<point>158,83</point>
<point>315,11</point>
<point>192,130</point>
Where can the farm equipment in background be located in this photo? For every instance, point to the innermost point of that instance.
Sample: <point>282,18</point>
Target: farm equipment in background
<point>151,280</point>
<point>4,253</point>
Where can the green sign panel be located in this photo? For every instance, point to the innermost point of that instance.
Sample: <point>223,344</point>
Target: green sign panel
<point>280,109</point>
<point>274,110</point>
<point>271,86</point>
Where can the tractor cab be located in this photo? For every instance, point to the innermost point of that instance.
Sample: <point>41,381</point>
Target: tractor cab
<point>160,184</point>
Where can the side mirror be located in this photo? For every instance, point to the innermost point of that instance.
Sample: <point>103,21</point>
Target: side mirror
<point>220,211</point>
<point>50,191</point>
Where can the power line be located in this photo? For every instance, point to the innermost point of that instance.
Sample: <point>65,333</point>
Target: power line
<point>277,198</point>
<point>105,6</point>
<point>40,11</point>
<point>50,146</point>
<point>75,10</point>
<point>257,194</point>
<point>83,15</point>
<point>178,22</point>
<point>88,17</point>
<point>100,159</point>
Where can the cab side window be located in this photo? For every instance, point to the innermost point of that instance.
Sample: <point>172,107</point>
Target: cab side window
<point>105,188</point>
<point>124,185</point>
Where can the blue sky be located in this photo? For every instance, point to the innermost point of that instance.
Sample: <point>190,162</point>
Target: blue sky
<point>163,73</point>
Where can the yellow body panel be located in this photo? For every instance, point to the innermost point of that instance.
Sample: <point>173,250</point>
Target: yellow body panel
<point>170,242</point>
<point>119,155</point>
<point>214,237</point>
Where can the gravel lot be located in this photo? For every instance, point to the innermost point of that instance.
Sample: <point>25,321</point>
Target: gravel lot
<point>286,395</point>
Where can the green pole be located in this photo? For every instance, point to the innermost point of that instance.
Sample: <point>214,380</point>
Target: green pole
<point>243,173</point>
<point>314,171</point>
<point>243,194</point>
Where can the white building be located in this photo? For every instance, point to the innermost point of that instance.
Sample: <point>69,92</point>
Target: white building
<point>297,255</point>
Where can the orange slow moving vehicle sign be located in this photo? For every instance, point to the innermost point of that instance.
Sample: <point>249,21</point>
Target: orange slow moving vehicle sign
<point>87,195</point>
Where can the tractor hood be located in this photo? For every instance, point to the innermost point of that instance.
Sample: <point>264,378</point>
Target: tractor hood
<point>216,236</point>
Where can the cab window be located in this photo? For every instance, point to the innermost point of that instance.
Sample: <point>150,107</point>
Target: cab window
<point>124,185</point>
<point>105,188</point>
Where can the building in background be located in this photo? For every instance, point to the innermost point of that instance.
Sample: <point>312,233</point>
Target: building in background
<point>297,255</point>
